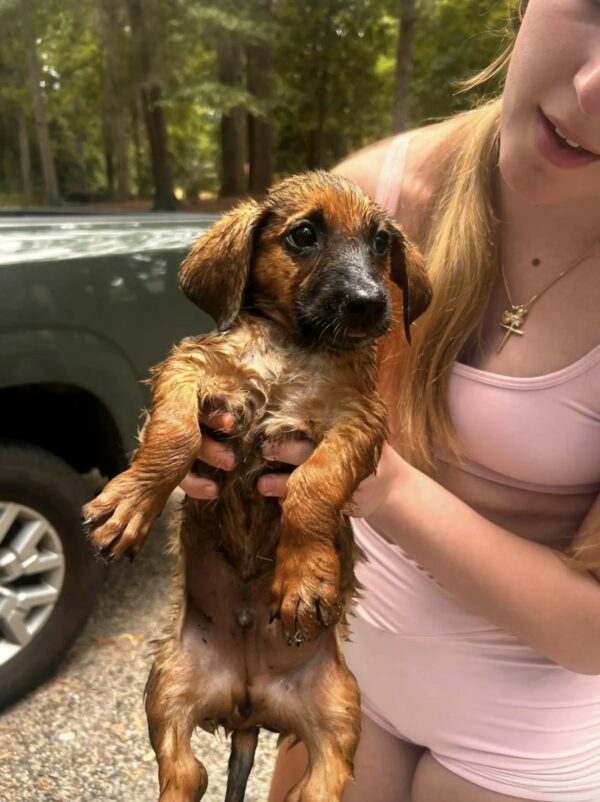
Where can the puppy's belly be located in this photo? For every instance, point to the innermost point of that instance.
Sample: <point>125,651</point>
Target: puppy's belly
<point>245,672</point>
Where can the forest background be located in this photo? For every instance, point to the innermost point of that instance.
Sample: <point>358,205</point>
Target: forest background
<point>190,103</point>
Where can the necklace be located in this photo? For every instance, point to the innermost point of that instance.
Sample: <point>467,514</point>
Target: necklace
<point>512,319</point>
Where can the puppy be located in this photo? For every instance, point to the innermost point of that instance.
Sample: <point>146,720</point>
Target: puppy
<point>298,288</point>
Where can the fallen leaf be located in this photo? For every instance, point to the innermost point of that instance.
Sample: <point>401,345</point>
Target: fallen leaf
<point>114,730</point>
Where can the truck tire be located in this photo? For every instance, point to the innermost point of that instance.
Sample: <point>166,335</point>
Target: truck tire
<point>49,578</point>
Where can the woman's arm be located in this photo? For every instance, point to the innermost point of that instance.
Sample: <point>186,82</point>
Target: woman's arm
<point>523,587</point>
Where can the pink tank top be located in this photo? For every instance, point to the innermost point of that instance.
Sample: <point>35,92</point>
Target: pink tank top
<point>539,433</point>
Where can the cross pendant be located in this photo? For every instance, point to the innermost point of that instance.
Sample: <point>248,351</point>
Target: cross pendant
<point>512,321</point>
<point>509,330</point>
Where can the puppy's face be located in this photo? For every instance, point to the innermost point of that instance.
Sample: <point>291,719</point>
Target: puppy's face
<point>320,263</point>
<point>314,256</point>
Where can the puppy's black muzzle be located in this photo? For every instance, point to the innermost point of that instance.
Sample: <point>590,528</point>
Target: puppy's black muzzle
<point>364,309</point>
<point>344,315</point>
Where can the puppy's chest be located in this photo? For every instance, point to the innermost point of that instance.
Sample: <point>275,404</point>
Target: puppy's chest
<point>290,390</point>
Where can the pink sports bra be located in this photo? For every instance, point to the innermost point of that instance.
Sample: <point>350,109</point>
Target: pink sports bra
<point>539,433</point>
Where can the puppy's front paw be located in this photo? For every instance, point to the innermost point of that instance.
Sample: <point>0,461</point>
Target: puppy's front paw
<point>305,593</point>
<point>118,520</point>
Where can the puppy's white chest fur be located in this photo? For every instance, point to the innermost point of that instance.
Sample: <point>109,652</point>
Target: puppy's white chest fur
<point>292,382</point>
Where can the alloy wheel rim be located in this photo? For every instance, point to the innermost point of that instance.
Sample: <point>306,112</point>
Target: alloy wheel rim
<point>32,572</point>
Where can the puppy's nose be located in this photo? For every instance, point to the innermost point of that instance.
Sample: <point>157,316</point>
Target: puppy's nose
<point>364,307</point>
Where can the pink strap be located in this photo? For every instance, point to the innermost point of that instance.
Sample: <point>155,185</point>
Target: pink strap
<point>391,175</point>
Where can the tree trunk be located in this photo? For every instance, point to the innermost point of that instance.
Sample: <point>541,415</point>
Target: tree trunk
<point>317,137</point>
<point>140,174</point>
<point>260,129</point>
<point>229,59</point>
<point>154,113</point>
<point>407,23</point>
<point>116,96</point>
<point>109,161</point>
<point>24,156</point>
<point>52,196</point>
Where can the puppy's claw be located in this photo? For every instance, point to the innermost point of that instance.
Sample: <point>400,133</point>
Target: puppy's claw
<point>273,616</point>
<point>325,623</point>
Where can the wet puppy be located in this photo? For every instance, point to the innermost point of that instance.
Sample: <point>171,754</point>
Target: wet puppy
<point>298,288</point>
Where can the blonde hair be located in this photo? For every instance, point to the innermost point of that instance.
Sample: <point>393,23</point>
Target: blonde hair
<point>461,251</point>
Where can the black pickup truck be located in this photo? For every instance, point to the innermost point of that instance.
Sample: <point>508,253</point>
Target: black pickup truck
<point>88,303</point>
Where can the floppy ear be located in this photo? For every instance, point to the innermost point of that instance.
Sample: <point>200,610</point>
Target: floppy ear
<point>408,272</point>
<point>215,273</point>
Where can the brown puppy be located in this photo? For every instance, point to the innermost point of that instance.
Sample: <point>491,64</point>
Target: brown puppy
<point>297,286</point>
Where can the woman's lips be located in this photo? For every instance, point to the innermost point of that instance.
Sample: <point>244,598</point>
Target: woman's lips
<point>555,150</point>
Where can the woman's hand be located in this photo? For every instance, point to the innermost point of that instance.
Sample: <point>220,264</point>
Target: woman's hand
<point>213,452</point>
<point>368,498</point>
<point>373,492</point>
<point>370,495</point>
<point>292,451</point>
<point>219,454</point>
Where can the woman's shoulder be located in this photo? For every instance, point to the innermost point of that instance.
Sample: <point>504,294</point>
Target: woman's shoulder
<point>419,177</point>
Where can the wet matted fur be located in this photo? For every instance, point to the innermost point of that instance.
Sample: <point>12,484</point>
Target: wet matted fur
<point>298,286</point>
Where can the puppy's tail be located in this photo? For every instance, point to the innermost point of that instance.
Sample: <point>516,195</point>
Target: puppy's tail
<point>243,747</point>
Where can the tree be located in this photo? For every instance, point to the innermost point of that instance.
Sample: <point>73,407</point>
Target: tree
<point>118,95</point>
<point>407,20</point>
<point>455,39</point>
<point>230,74</point>
<point>25,155</point>
<point>260,126</point>
<point>151,101</point>
<point>334,72</point>
<point>52,195</point>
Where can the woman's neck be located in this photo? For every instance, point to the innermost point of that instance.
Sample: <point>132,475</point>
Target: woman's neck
<point>553,234</point>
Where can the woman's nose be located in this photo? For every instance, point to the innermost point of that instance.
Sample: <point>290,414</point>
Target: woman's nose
<point>587,86</point>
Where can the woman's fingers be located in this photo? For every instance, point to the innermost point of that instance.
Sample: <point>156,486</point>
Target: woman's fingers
<point>198,487</point>
<point>221,421</point>
<point>216,454</point>
<point>273,484</point>
<point>292,452</point>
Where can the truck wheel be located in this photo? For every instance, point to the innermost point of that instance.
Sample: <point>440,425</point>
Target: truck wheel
<point>49,578</point>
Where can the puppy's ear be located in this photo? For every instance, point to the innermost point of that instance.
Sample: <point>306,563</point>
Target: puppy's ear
<point>408,272</point>
<point>215,273</point>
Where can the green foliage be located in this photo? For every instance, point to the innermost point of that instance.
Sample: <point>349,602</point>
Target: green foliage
<point>332,74</point>
<point>332,80</point>
<point>456,39</point>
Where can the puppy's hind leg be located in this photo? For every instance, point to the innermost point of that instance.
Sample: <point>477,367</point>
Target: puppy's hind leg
<point>171,722</point>
<point>330,733</point>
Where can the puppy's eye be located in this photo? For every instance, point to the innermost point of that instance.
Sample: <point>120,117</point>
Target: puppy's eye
<point>381,242</point>
<point>303,235</point>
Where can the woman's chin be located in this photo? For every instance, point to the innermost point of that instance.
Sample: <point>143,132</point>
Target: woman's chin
<point>533,184</point>
<point>540,184</point>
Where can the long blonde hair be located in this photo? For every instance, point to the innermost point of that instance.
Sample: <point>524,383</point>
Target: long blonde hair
<point>461,251</point>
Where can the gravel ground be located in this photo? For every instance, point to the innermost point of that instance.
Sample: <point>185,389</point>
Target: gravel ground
<point>82,737</point>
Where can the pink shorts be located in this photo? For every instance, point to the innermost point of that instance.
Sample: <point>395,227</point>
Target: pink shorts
<point>489,708</point>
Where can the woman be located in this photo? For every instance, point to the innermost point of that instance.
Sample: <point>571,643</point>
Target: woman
<point>476,646</point>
